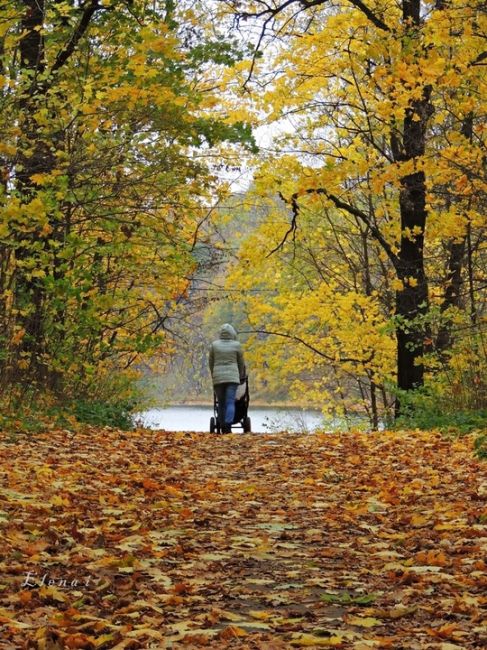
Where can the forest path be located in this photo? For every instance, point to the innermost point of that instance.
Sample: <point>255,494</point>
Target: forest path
<point>157,539</point>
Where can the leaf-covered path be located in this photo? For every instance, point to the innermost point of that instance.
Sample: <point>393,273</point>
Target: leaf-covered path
<point>160,540</point>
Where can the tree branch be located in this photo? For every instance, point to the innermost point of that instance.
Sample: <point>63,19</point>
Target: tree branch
<point>272,12</point>
<point>298,339</point>
<point>77,35</point>
<point>478,61</point>
<point>293,227</point>
<point>365,219</point>
<point>370,15</point>
<point>342,206</point>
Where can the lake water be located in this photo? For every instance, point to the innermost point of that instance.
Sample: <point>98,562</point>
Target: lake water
<point>264,419</point>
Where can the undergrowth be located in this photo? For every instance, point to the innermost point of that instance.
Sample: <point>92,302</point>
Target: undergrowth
<point>30,412</point>
<point>425,410</point>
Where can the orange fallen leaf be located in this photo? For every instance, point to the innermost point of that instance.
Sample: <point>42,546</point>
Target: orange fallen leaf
<point>25,597</point>
<point>232,632</point>
<point>78,641</point>
<point>150,484</point>
<point>182,588</point>
<point>445,631</point>
<point>419,521</point>
<point>173,491</point>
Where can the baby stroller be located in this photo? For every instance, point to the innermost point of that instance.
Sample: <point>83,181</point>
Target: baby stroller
<point>241,417</point>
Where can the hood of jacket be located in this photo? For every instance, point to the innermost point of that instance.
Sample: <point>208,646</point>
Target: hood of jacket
<point>227,332</point>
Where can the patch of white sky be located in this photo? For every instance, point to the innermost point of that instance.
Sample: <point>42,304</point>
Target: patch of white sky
<point>248,33</point>
<point>240,178</point>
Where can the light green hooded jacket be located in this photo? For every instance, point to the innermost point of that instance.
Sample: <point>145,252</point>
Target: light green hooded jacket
<point>226,357</point>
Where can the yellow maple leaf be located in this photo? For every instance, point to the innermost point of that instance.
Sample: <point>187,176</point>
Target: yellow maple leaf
<point>363,621</point>
<point>313,640</point>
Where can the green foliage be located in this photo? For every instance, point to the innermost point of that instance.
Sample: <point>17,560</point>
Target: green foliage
<point>212,131</point>
<point>454,398</point>
<point>480,446</point>
<point>38,412</point>
<point>425,408</point>
<point>117,415</point>
<point>101,193</point>
<point>31,412</point>
<point>22,420</point>
<point>220,52</point>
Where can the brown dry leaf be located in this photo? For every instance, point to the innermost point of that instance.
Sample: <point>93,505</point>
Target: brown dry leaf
<point>363,621</point>
<point>146,632</point>
<point>446,631</point>
<point>395,612</point>
<point>305,640</point>
<point>173,536</point>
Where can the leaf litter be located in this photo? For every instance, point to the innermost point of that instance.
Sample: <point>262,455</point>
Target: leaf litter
<point>153,539</point>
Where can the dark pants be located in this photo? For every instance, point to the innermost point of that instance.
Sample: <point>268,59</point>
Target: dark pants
<point>225,394</point>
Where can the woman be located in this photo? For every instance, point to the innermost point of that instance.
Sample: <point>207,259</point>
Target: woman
<point>227,370</point>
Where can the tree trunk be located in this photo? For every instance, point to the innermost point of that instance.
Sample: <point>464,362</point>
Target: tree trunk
<point>34,158</point>
<point>452,293</point>
<point>455,264</point>
<point>412,300</point>
<point>37,155</point>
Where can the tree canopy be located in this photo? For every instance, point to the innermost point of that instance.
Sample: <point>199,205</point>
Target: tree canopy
<point>111,126</point>
<point>362,273</point>
<point>380,167</point>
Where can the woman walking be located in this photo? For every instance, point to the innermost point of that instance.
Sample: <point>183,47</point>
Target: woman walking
<point>227,369</point>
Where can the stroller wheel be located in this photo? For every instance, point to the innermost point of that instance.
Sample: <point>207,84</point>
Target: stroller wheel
<point>212,425</point>
<point>246,425</point>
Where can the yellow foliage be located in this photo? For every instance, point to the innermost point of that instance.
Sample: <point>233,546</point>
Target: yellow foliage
<point>322,331</point>
<point>348,87</point>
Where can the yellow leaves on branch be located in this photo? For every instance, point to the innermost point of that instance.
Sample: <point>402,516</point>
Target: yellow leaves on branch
<point>286,295</point>
<point>27,217</point>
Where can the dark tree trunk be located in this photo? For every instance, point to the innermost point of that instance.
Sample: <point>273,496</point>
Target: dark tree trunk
<point>412,301</point>
<point>455,265</point>
<point>37,155</point>
<point>452,292</point>
<point>367,283</point>
<point>34,158</point>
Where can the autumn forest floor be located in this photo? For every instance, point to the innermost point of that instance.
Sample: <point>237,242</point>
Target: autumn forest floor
<point>160,540</point>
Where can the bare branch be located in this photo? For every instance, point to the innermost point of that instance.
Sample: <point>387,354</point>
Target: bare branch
<point>298,339</point>
<point>370,15</point>
<point>270,13</point>
<point>89,10</point>
<point>478,61</point>
<point>293,227</point>
<point>342,205</point>
<point>366,219</point>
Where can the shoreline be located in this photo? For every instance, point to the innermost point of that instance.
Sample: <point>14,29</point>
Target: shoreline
<point>252,403</point>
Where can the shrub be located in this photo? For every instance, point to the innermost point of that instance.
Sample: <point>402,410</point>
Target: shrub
<point>117,415</point>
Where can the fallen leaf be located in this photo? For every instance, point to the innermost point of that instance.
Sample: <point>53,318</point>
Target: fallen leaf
<point>305,640</point>
<point>363,621</point>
